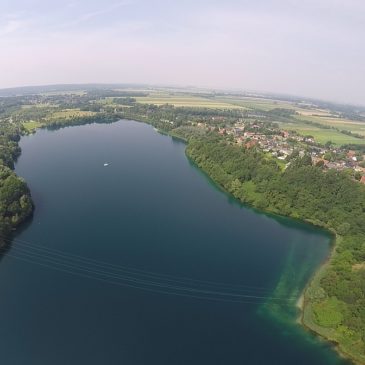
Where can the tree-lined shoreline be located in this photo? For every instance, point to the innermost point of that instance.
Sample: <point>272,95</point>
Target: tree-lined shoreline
<point>334,300</point>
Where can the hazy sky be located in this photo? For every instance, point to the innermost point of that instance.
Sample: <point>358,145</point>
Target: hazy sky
<point>309,47</point>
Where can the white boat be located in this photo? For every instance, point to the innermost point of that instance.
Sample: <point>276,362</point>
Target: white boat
<point>106,164</point>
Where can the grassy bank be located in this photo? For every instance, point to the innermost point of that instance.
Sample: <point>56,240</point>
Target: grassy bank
<point>345,346</point>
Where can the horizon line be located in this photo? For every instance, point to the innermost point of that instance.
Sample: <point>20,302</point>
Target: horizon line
<point>269,94</point>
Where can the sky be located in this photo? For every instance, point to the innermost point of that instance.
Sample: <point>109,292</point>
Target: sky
<point>312,48</point>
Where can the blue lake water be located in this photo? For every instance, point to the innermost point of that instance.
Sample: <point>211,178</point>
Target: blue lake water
<point>145,261</point>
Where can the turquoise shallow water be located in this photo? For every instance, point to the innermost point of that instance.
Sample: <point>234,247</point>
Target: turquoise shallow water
<point>145,261</point>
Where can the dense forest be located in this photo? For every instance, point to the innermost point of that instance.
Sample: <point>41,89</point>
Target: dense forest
<point>328,199</point>
<point>15,201</point>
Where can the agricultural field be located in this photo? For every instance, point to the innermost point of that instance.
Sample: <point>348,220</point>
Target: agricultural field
<point>221,102</point>
<point>320,135</point>
<point>64,92</point>
<point>187,101</point>
<point>315,112</point>
<point>70,113</point>
<point>39,105</point>
<point>255,103</point>
<point>339,123</point>
<point>31,124</point>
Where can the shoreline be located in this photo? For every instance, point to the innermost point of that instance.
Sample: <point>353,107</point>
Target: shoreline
<point>304,305</point>
<point>302,302</point>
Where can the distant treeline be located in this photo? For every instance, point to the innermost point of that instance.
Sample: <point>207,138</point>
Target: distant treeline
<point>82,120</point>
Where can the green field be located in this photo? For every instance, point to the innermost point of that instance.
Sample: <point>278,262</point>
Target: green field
<point>62,114</point>
<point>70,113</point>
<point>342,124</point>
<point>65,92</point>
<point>255,103</point>
<point>221,102</point>
<point>187,101</point>
<point>40,105</point>
<point>31,126</point>
<point>321,135</point>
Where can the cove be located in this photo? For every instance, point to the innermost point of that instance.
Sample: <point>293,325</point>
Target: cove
<point>145,261</point>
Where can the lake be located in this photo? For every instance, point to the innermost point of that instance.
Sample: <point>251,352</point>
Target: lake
<point>146,261</point>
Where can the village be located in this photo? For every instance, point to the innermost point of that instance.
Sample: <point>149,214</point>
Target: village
<point>282,143</point>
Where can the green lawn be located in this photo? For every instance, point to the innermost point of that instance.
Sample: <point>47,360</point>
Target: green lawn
<point>31,126</point>
<point>329,312</point>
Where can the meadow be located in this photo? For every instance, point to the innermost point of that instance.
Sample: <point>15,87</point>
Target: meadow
<point>321,135</point>
<point>187,101</point>
<point>32,126</point>
<point>255,103</point>
<point>340,123</point>
<point>70,113</point>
